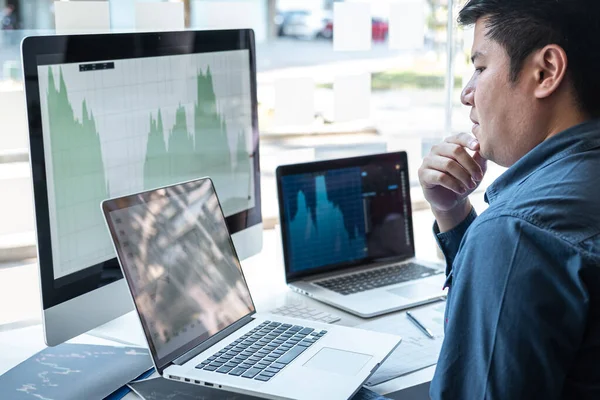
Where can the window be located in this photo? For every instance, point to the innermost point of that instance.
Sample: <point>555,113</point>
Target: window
<point>318,96</point>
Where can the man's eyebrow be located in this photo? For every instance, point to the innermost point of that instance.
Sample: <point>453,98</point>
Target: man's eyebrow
<point>476,55</point>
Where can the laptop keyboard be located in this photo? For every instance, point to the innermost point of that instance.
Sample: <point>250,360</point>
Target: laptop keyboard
<point>304,312</point>
<point>264,351</point>
<point>372,279</point>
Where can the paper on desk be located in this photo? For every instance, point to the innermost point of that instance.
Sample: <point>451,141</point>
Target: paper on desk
<point>416,351</point>
<point>17,345</point>
<point>74,371</point>
<point>161,388</point>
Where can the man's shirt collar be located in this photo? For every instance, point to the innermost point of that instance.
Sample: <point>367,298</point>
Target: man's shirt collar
<point>576,139</point>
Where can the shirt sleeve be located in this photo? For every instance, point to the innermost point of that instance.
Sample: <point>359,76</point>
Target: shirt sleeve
<point>449,242</point>
<point>516,316</point>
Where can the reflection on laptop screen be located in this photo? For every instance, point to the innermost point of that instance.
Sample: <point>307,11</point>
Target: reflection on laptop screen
<point>180,264</point>
<point>341,216</point>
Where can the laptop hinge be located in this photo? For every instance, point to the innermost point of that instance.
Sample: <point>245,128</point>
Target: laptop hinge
<point>213,340</point>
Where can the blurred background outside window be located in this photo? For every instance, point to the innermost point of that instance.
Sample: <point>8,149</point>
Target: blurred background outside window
<point>318,97</point>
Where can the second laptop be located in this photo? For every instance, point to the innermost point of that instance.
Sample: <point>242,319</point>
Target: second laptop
<point>347,235</point>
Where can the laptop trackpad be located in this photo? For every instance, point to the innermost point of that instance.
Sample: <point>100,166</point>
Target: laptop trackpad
<point>338,361</point>
<point>415,291</point>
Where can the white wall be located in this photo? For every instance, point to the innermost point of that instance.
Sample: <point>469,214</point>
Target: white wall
<point>122,13</point>
<point>230,14</point>
<point>283,5</point>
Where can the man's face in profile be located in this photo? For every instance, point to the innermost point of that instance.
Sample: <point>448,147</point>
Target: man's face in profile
<point>499,109</point>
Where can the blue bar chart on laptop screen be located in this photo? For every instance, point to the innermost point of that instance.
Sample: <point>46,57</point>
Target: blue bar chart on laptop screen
<point>326,222</point>
<point>338,217</point>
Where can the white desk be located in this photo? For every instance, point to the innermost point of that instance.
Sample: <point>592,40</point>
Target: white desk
<point>265,276</point>
<point>266,279</point>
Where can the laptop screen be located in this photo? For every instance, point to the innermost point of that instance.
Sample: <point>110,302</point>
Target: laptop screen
<point>343,213</point>
<point>180,265</point>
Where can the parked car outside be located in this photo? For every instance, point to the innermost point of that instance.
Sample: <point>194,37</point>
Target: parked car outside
<point>379,29</point>
<point>304,24</point>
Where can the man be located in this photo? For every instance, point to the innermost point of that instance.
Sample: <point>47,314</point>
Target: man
<point>523,309</point>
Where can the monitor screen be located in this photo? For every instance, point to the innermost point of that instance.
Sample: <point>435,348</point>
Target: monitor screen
<point>337,216</point>
<point>114,127</point>
<point>115,114</point>
<point>180,265</point>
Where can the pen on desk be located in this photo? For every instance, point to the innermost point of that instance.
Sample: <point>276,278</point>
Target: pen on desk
<point>420,325</point>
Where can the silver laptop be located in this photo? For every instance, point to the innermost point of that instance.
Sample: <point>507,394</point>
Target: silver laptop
<point>347,235</point>
<point>199,318</point>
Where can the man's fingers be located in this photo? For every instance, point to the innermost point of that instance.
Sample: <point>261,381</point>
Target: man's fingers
<point>464,139</point>
<point>457,153</point>
<point>432,178</point>
<point>450,167</point>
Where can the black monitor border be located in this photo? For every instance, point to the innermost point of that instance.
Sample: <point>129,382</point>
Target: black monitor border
<point>63,49</point>
<point>328,165</point>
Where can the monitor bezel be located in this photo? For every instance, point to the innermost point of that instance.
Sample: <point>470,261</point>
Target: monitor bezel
<point>321,166</point>
<point>61,49</point>
<point>122,202</point>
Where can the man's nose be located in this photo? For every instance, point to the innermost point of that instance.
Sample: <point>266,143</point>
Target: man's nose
<point>467,97</point>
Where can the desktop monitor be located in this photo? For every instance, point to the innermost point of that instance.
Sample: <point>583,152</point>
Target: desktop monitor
<point>114,114</point>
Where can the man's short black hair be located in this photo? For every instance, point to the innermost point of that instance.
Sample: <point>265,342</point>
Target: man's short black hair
<point>523,26</point>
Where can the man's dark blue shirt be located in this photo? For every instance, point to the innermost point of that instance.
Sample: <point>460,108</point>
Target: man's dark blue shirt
<point>523,310</point>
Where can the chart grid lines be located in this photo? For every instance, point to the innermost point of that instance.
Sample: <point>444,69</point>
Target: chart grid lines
<point>117,110</point>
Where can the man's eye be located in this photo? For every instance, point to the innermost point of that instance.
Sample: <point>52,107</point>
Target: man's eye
<point>480,69</point>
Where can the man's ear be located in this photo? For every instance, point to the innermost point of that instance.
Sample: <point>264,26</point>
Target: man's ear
<point>550,68</point>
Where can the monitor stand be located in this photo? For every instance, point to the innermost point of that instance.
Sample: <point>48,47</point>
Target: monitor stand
<point>126,330</point>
